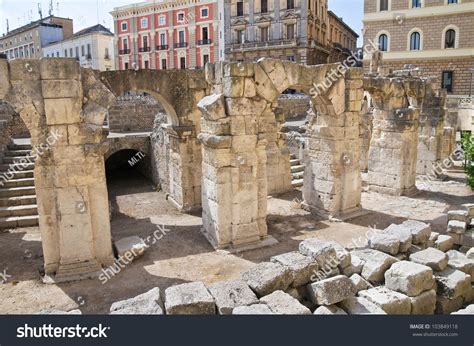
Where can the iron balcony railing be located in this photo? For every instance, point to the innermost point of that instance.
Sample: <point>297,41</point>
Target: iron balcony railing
<point>124,51</point>
<point>162,47</point>
<point>144,49</point>
<point>181,44</point>
<point>203,42</point>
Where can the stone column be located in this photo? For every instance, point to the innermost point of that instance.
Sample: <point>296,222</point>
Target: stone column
<point>64,108</point>
<point>431,133</point>
<point>234,184</point>
<point>365,134</point>
<point>332,178</point>
<point>393,149</point>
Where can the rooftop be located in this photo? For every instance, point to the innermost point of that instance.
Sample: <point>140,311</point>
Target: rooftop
<point>44,21</point>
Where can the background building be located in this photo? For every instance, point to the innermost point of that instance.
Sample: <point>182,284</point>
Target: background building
<point>93,47</point>
<point>436,36</point>
<point>297,30</point>
<point>342,38</point>
<point>169,34</point>
<point>28,41</point>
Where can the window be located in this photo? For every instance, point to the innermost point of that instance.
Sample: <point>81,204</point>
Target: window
<point>264,34</point>
<point>450,39</point>
<point>77,52</point>
<point>415,3</point>
<point>204,12</point>
<point>383,43</point>
<point>83,51</point>
<point>205,59</point>
<point>447,81</point>
<point>89,54</point>
<point>383,5</point>
<point>205,35</point>
<point>70,52</point>
<point>264,6</point>
<point>415,40</point>
<point>240,36</point>
<point>290,58</point>
<point>161,20</point>
<point>125,44</point>
<point>181,17</point>
<point>290,31</point>
<point>144,23</point>
<point>163,64</point>
<point>126,66</point>
<point>181,37</point>
<point>124,26</point>
<point>65,53</point>
<point>452,2</point>
<point>107,55</point>
<point>57,54</point>
<point>182,63</point>
<point>290,4</point>
<point>145,41</point>
<point>240,8</point>
<point>147,64</point>
<point>162,39</point>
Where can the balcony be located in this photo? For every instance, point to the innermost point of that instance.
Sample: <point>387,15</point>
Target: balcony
<point>162,47</point>
<point>144,49</point>
<point>204,42</point>
<point>181,44</point>
<point>124,51</point>
<point>259,44</point>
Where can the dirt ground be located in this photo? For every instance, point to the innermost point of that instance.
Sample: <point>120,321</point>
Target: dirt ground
<point>184,255</point>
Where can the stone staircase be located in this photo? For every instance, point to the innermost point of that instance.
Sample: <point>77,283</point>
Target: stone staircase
<point>297,171</point>
<point>17,195</point>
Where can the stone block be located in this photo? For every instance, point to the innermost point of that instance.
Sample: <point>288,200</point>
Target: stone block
<point>456,227</point>
<point>268,277</point>
<point>321,251</point>
<point>385,242</point>
<point>302,267</point>
<point>355,268</point>
<point>133,247</point>
<point>189,299</point>
<point>256,309</point>
<point>446,305</point>
<point>470,253</point>
<point>360,283</point>
<point>376,264</point>
<point>63,111</point>
<point>331,291</point>
<point>329,310</point>
<point>452,283</point>
<point>424,304</point>
<point>360,306</point>
<point>458,260</point>
<point>402,233</point>
<point>409,278</point>
<point>393,303</point>
<point>433,237</point>
<point>53,89</point>
<point>282,303</point>
<point>420,231</point>
<point>433,258</point>
<point>458,215</point>
<point>213,107</point>
<point>444,242</point>
<point>60,68</point>
<point>343,256</point>
<point>230,294</point>
<point>148,303</point>
<point>24,70</point>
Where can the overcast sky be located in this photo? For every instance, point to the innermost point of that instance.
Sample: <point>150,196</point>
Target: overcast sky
<point>88,12</point>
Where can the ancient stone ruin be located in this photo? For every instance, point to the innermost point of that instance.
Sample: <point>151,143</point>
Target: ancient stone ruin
<point>223,149</point>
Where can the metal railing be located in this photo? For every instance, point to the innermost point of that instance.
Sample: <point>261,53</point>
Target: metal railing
<point>124,51</point>
<point>162,47</point>
<point>181,44</point>
<point>144,49</point>
<point>203,42</point>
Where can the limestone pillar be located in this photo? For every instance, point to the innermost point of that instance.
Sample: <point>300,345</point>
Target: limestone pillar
<point>394,145</point>
<point>332,178</point>
<point>64,108</point>
<point>365,134</point>
<point>431,133</point>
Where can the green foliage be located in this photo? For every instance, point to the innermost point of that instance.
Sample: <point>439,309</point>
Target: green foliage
<point>467,142</point>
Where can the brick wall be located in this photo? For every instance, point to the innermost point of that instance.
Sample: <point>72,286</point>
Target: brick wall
<point>370,6</point>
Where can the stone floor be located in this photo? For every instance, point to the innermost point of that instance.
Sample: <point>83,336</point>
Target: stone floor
<point>184,255</point>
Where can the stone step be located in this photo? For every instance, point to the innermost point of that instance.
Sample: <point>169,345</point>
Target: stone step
<point>295,162</point>
<point>293,156</point>
<point>297,175</point>
<point>297,182</point>
<point>17,191</point>
<point>17,201</point>
<point>23,182</point>
<point>19,167</point>
<point>19,146</point>
<point>19,221</point>
<point>299,168</point>
<point>19,210</point>
<point>16,175</point>
<point>21,153</point>
<point>16,159</point>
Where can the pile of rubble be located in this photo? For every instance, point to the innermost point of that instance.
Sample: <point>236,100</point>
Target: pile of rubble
<point>406,269</point>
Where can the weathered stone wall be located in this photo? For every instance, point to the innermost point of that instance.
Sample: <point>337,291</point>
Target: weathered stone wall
<point>16,125</point>
<point>293,105</point>
<point>393,148</point>
<point>134,113</point>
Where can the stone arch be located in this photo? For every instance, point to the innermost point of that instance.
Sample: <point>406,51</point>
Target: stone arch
<point>63,107</point>
<point>234,138</point>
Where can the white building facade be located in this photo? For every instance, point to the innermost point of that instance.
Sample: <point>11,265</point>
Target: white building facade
<point>92,47</point>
